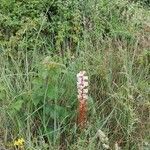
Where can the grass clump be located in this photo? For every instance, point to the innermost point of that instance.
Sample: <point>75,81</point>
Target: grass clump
<point>44,44</point>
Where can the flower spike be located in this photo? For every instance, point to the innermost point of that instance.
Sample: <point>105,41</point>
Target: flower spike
<point>82,86</point>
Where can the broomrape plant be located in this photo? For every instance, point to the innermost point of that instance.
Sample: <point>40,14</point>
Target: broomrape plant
<point>82,85</point>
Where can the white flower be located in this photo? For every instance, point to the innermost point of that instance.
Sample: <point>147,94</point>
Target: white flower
<point>102,135</point>
<point>117,146</point>
<point>82,85</point>
<point>104,139</point>
<point>106,146</point>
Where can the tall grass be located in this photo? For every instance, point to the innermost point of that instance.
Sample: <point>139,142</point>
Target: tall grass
<point>43,45</point>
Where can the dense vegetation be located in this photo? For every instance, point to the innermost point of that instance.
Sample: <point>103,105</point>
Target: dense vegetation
<point>45,43</point>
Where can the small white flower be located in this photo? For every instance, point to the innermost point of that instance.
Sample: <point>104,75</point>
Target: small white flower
<point>106,146</point>
<point>103,138</point>
<point>82,85</point>
<point>101,135</point>
<point>85,91</point>
<point>85,78</point>
<point>117,146</point>
<point>81,73</point>
<point>85,96</point>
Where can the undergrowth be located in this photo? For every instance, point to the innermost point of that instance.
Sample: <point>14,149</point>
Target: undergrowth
<point>44,44</point>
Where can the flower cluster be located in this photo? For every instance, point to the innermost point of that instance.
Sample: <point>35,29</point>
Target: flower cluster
<point>82,85</point>
<point>104,139</point>
<point>19,143</point>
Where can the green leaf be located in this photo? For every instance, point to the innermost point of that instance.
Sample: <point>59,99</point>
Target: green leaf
<point>17,105</point>
<point>2,94</point>
<point>56,111</point>
<point>38,95</point>
<point>36,100</point>
<point>52,92</point>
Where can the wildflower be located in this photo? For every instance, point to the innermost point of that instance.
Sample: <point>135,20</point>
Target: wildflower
<point>19,143</point>
<point>117,147</point>
<point>105,146</point>
<point>104,139</point>
<point>102,136</point>
<point>82,85</point>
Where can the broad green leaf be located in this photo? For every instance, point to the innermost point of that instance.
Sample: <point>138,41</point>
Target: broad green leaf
<point>52,92</point>
<point>56,111</point>
<point>17,105</point>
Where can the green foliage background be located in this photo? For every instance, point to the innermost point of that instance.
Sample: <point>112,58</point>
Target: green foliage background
<point>44,44</point>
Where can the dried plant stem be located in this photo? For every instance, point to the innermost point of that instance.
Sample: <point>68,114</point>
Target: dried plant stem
<point>82,113</point>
